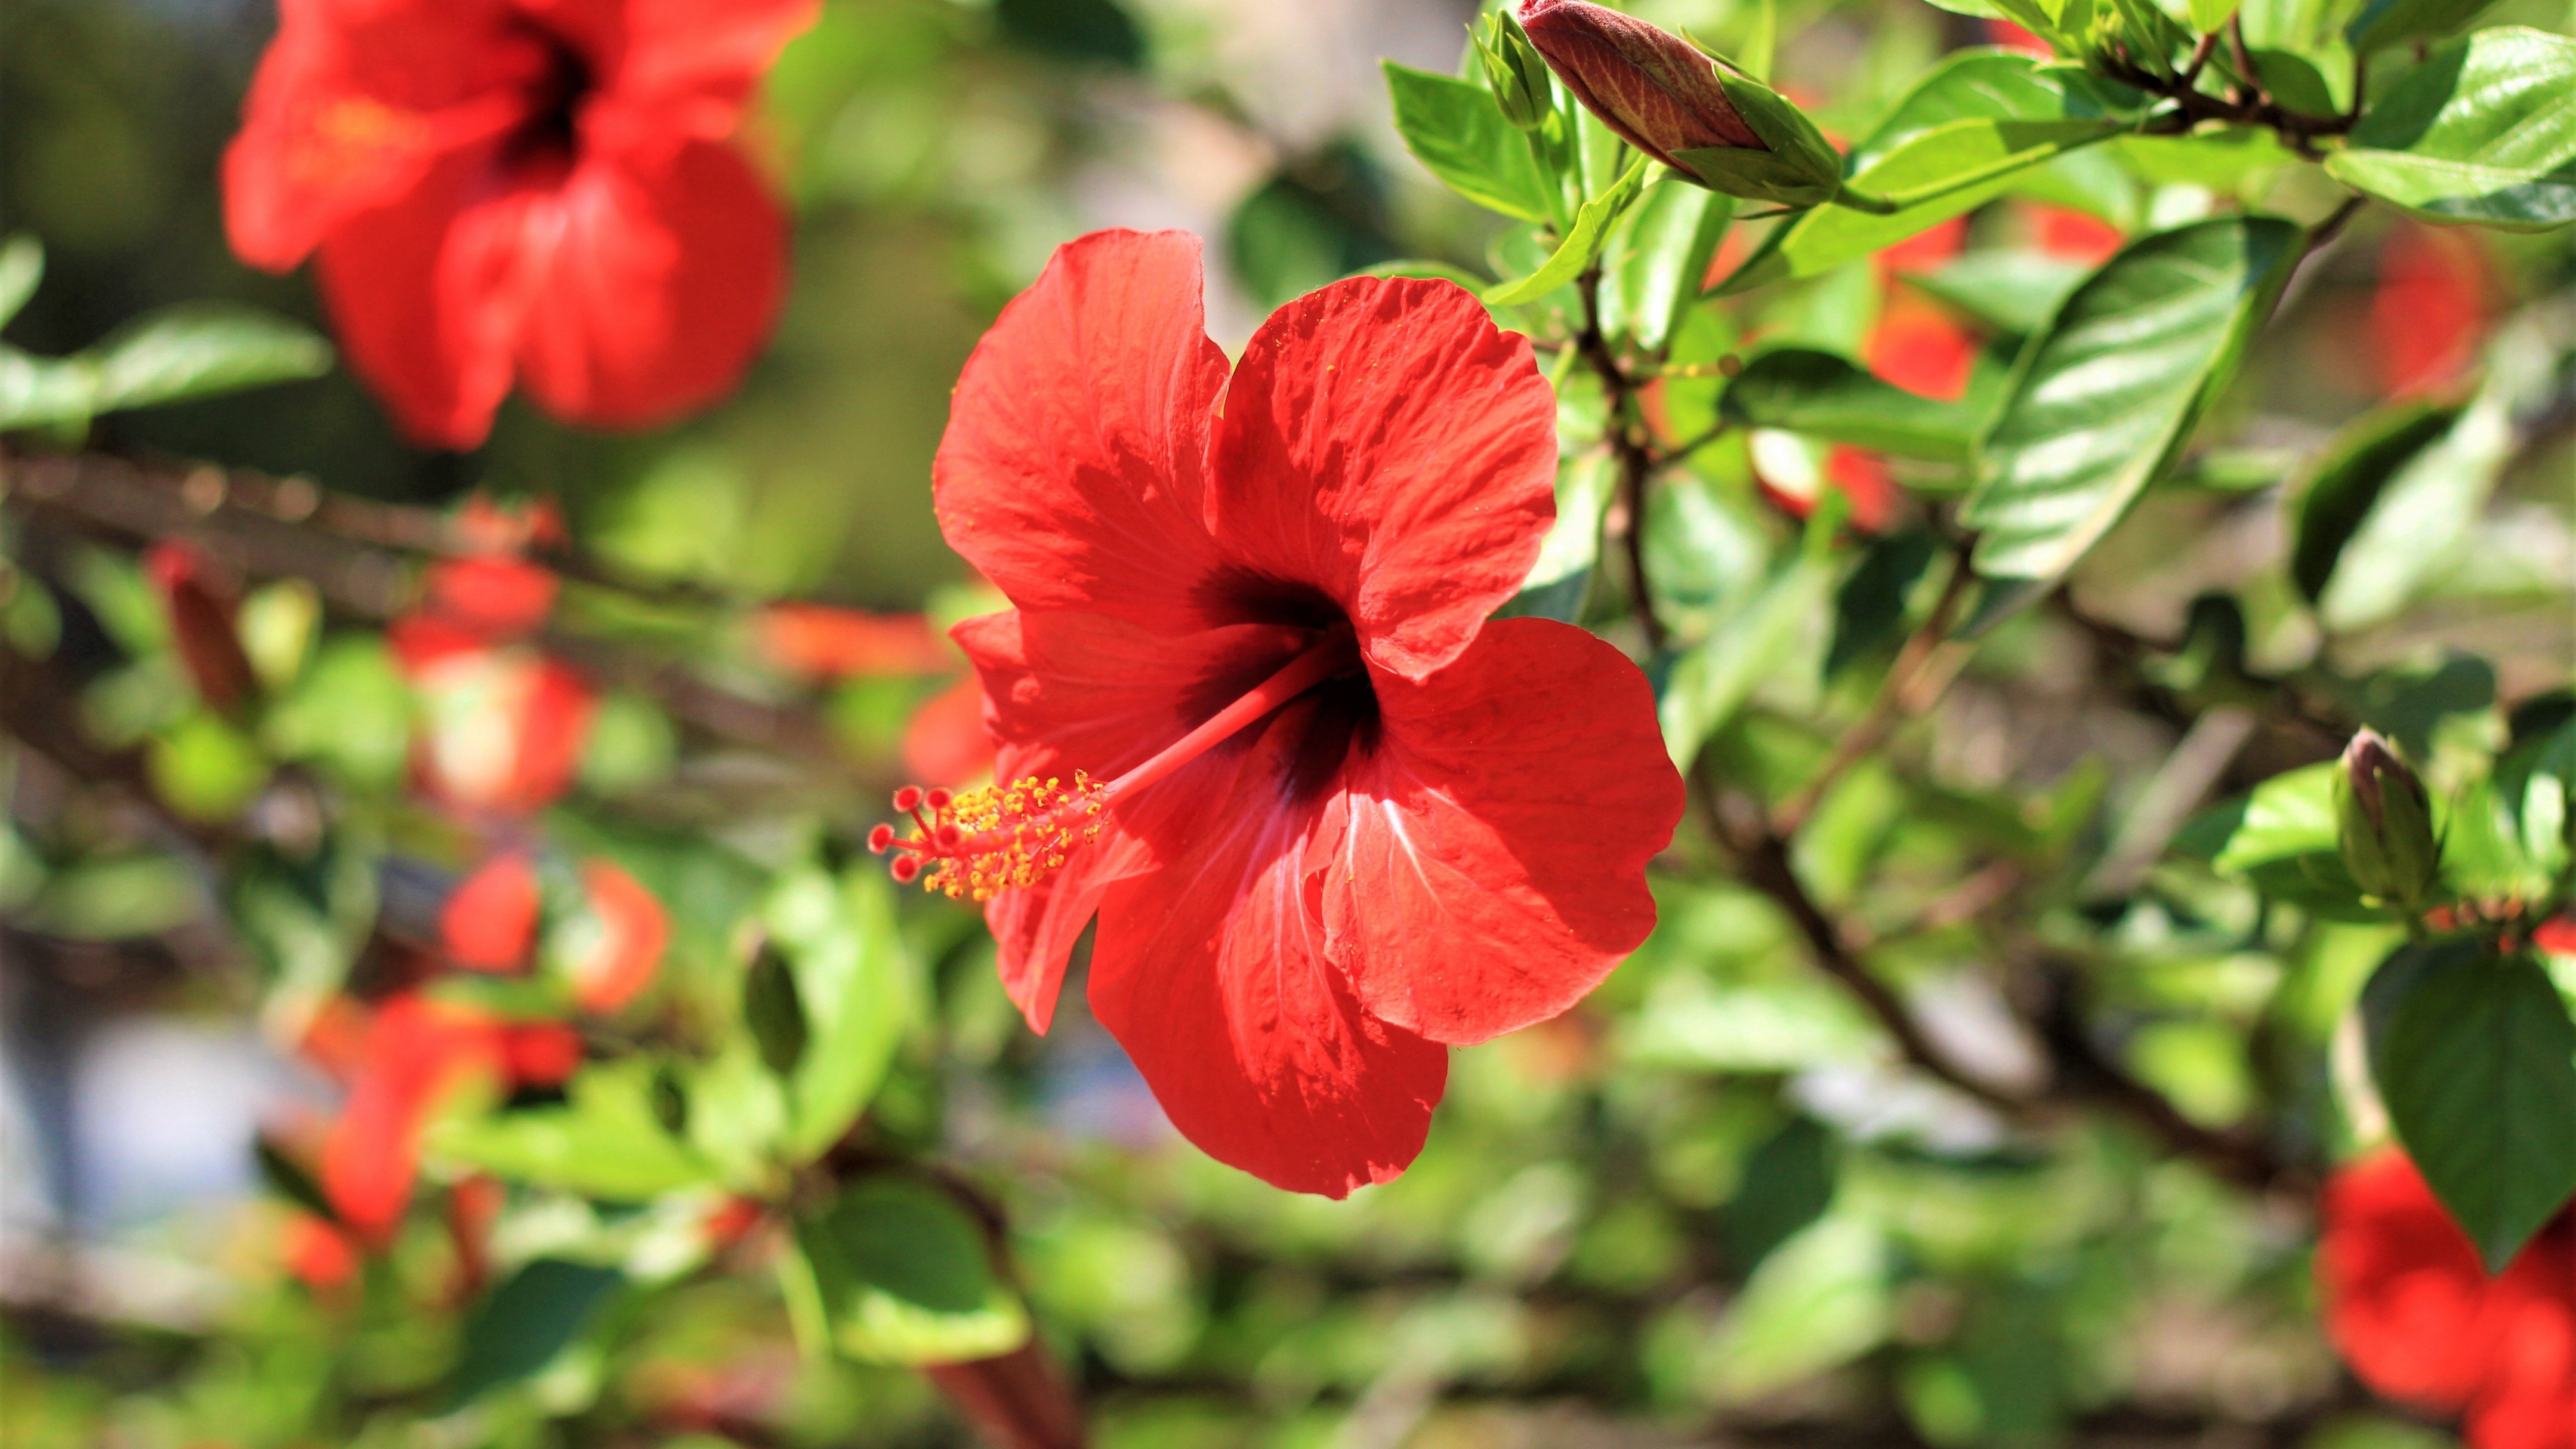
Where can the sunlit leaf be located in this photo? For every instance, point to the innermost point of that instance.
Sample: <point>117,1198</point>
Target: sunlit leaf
<point>2476,1058</point>
<point>903,1276</point>
<point>2484,131</point>
<point>1826,396</point>
<point>1454,128</point>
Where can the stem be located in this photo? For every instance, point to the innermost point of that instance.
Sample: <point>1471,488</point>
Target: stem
<point>1897,698</point>
<point>1629,446</point>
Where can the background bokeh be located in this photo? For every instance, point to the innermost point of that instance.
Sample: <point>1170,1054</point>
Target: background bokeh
<point>1585,1255</point>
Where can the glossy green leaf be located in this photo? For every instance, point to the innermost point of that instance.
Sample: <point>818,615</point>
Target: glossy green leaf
<point>2014,292</point>
<point>902,1275</point>
<point>1712,681</point>
<point>200,349</point>
<point>526,1322</point>
<point>2420,518</point>
<point>2348,480</point>
<point>22,266</point>
<point>1819,1300</point>
<point>2105,399</point>
<point>2483,131</point>
<point>1454,128</point>
<point>2382,23</point>
<point>2281,840</point>
<point>2476,1059</point>
<point>1652,269</point>
<point>1989,85</point>
<point>36,391</point>
<point>1826,396</point>
<point>855,987</point>
<point>2295,82</point>
<point>1581,247</point>
<point>607,1141</point>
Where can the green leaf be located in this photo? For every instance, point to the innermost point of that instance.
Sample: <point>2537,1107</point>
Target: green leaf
<point>2476,1058</point>
<point>773,1012</point>
<point>2281,840</point>
<point>1825,396</point>
<point>2295,82</point>
<point>1454,128</point>
<point>526,1322</point>
<point>22,266</point>
<point>2207,15</point>
<point>1591,231</point>
<point>2422,516</point>
<point>1817,1302</point>
<point>2383,23</point>
<point>351,713</point>
<point>2483,131</point>
<point>38,390</point>
<point>855,986</point>
<point>199,349</point>
<point>204,768</point>
<point>2348,480</point>
<point>2103,401</point>
<point>902,1276</point>
<point>1653,267</point>
<point>1711,682</point>
<point>607,1142</point>
<point>1990,85</point>
<point>2014,292</point>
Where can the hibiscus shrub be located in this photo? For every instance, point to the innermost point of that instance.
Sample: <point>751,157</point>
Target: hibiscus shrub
<point>1866,736</point>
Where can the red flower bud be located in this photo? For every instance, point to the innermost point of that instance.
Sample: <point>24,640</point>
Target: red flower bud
<point>1655,89</point>
<point>199,602</point>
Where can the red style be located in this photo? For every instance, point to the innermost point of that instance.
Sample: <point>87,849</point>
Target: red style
<point>1331,820</point>
<point>538,189</point>
<point>2411,1309</point>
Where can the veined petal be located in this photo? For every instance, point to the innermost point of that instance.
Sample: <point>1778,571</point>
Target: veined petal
<point>1485,865</point>
<point>1211,971</point>
<point>1383,443</point>
<point>1070,474</point>
<point>427,293</point>
<point>1090,692</point>
<point>656,285</point>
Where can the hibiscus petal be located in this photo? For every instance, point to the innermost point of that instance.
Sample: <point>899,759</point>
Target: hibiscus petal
<point>427,293</point>
<point>1089,692</point>
<point>1383,443</point>
<point>688,67</point>
<point>1485,866</point>
<point>1071,470</point>
<point>655,286</point>
<point>1211,972</point>
<point>349,108</point>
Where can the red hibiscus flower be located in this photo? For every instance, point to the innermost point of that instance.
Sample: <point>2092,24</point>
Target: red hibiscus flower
<point>1252,715</point>
<point>2411,1309</point>
<point>831,643</point>
<point>539,189</point>
<point>504,725</point>
<point>417,1052</point>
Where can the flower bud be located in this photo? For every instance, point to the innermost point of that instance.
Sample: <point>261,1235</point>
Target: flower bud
<point>2385,823</point>
<point>1662,95</point>
<point>1515,71</point>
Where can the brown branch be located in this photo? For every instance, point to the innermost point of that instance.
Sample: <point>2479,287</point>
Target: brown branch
<point>1625,434</point>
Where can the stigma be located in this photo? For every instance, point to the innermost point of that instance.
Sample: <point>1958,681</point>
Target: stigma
<point>975,844</point>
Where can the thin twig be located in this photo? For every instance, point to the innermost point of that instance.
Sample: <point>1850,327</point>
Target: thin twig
<point>1903,693</point>
<point>1628,446</point>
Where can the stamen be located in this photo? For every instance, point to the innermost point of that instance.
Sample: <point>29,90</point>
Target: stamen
<point>975,845</point>
<point>1000,837</point>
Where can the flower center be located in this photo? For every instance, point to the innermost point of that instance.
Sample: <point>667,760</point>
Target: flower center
<point>550,123</point>
<point>1000,837</point>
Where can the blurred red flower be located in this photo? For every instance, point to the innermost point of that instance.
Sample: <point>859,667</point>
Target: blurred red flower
<point>1920,347</point>
<point>617,945</point>
<point>2070,235</point>
<point>505,725</point>
<point>831,643</point>
<point>2411,1309</point>
<point>489,922</point>
<point>543,189</point>
<point>1356,821</point>
<point>418,1050</point>
<point>2428,313</point>
<point>318,1254</point>
<point>491,594</point>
